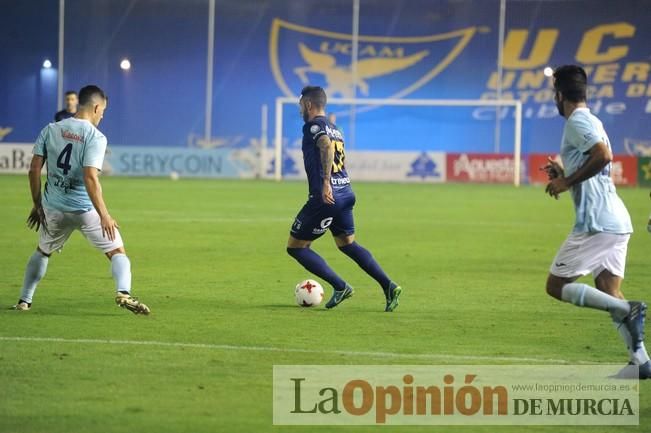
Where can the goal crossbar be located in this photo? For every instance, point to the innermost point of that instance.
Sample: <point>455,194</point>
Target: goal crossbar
<point>517,142</point>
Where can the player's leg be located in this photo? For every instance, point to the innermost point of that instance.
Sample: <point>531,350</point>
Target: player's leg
<point>593,253</point>
<point>50,240</point>
<point>365,260</point>
<point>582,295</point>
<point>300,250</point>
<point>343,230</point>
<point>580,254</point>
<point>90,226</point>
<point>34,273</point>
<point>120,269</point>
<point>608,278</point>
<point>609,283</point>
<point>311,222</point>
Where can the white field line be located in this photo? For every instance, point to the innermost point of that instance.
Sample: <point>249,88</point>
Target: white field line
<point>389,355</point>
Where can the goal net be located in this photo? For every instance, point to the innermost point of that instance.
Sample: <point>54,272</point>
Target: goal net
<point>381,131</point>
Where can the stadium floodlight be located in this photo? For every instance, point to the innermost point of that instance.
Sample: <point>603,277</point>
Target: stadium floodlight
<point>47,64</point>
<point>125,64</point>
<point>517,105</point>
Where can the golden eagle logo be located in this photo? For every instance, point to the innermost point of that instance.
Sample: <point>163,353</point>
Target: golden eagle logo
<point>4,132</point>
<point>340,80</point>
<point>388,67</point>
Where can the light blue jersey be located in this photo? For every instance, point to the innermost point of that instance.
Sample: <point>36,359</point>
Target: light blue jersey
<point>69,146</point>
<point>598,207</point>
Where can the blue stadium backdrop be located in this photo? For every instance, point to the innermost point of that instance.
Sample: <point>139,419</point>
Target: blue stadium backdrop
<point>265,49</point>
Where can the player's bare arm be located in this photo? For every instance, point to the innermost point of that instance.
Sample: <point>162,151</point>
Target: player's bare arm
<point>94,189</point>
<point>600,156</point>
<point>36,216</point>
<point>327,153</point>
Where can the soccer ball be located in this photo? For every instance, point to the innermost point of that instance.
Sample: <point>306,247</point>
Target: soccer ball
<point>309,293</point>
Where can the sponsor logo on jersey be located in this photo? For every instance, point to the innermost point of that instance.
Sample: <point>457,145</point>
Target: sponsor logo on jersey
<point>339,180</point>
<point>325,223</point>
<point>334,133</point>
<point>71,136</point>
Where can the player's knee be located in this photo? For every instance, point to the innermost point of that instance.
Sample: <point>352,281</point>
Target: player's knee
<point>40,251</point>
<point>554,288</point>
<point>344,241</point>
<point>549,290</point>
<point>293,251</point>
<point>111,253</point>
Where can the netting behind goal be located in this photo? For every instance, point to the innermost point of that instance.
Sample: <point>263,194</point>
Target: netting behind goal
<point>382,131</point>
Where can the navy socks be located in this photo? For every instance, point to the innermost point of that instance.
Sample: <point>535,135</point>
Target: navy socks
<point>316,265</point>
<point>365,260</point>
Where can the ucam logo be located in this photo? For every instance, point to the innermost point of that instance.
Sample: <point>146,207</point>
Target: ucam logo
<point>4,132</point>
<point>454,395</point>
<point>301,55</point>
<point>613,54</point>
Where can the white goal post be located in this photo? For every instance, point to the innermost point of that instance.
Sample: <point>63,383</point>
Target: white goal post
<point>517,141</point>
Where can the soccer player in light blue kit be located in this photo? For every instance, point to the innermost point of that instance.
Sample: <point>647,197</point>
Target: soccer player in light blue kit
<point>72,199</point>
<point>597,245</point>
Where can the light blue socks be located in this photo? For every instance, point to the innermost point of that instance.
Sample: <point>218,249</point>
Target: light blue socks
<point>36,267</point>
<point>121,270</point>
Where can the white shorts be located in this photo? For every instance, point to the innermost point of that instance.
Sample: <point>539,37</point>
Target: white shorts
<point>585,253</point>
<point>60,226</point>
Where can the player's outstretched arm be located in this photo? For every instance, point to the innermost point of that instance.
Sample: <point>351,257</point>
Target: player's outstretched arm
<point>327,153</point>
<point>94,189</point>
<point>600,156</point>
<point>36,217</point>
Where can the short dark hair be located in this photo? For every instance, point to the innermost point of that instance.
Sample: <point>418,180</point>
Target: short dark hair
<point>71,92</point>
<point>90,93</point>
<point>316,95</point>
<point>572,82</point>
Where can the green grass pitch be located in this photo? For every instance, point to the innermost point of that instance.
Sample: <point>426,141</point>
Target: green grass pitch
<point>209,258</point>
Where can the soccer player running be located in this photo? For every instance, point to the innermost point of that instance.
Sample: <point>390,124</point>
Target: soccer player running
<point>72,199</point>
<point>330,204</point>
<point>599,240</point>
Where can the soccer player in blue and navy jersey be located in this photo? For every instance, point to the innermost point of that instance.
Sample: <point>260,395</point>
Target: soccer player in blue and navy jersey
<point>598,242</point>
<point>72,200</point>
<point>330,204</point>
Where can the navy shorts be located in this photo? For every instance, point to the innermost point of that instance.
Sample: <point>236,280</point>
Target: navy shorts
<point>316,217</point>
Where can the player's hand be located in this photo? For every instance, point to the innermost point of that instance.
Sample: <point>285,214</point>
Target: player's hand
<point>36,219</point>
<point>553,169</point>
<point>327,196</point>
<point>108,227</point>
<point>556,187</point>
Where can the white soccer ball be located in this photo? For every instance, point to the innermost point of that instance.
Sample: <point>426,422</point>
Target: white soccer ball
<point>174,175</point>
<point>309,293</point>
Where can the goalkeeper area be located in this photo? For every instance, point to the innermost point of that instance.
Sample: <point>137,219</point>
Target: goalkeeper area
<point>202,361</point>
